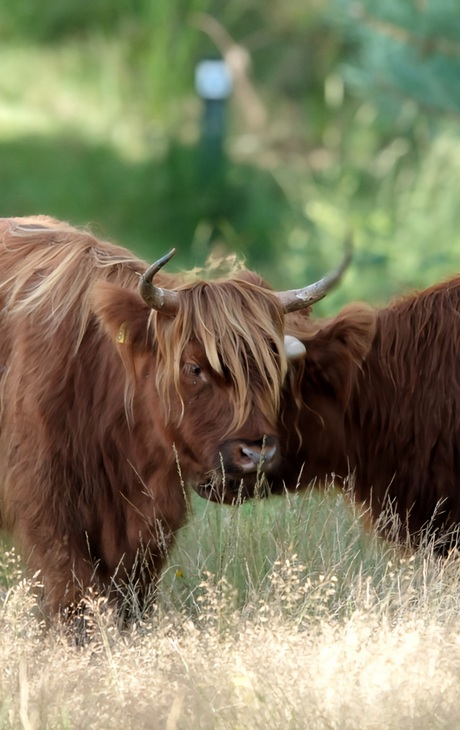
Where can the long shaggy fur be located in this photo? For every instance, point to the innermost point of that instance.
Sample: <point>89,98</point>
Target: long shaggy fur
<point>97,400</point>
<point>234,323</point>
<point>382,407</point>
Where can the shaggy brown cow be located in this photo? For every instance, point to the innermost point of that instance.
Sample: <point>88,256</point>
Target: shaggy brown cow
<point>109,385</point>
<point>378,398</point>
<point>375,405</point>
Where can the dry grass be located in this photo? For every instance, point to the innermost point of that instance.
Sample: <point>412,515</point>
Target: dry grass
<point>340,632</point>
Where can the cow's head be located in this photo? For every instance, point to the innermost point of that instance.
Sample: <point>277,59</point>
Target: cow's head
<point>302,363</point>
<point>206,362</point>
<point>316,399</point>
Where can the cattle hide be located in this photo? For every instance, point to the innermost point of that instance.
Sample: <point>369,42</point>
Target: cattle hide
<point>378,399</point>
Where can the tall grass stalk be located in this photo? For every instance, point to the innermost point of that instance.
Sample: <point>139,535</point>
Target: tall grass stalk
<point>280,614</point>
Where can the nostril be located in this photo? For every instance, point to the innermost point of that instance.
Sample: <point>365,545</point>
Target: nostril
<point>252,454</point>
<point>259,455</point>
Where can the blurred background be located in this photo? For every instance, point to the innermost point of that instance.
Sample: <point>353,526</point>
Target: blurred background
<point>268,129</point>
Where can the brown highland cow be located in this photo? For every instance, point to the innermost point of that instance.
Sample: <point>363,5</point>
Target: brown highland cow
<point>375,406</point>
<point>109,385</point>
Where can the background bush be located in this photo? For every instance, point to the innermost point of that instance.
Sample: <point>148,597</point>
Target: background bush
<point>100,123</point>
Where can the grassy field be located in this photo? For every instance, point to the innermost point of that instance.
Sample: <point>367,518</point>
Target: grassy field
<point>285,614</point>
<point>279,614</point>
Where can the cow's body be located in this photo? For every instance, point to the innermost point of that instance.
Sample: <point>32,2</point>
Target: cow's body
<point>108,409</point>
<point>383,408</point>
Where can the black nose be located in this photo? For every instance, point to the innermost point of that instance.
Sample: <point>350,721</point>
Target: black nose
<point>241,456</point>
<point>254,457</point>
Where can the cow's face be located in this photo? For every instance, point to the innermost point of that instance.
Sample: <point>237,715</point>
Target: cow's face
<point>202,417</point>
<point>315,398</point>
<point>209,378</point>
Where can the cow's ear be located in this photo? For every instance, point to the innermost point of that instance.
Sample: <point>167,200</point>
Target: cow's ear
<point>337,350</point>
<point>122,313</point>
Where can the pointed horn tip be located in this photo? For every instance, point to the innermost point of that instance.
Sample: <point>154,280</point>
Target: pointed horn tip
<point>296,299</point>
<point>163,300</point>
<point>154,268</point>
<point>164,259</point>
<point>347,258</point>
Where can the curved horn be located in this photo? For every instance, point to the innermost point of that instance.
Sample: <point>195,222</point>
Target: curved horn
<point>296,299</point>
<point>164,300</point>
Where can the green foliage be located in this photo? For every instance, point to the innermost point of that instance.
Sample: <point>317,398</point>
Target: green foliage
<point>157,54</point>
<point>159,204</point>
<point>109,80</point>
<point>11,566</point>
<point>55,20</point>
<point>406,50</point>
<point>100,124</point>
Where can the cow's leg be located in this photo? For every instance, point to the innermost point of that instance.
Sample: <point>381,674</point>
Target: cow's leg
<point>62,569</point>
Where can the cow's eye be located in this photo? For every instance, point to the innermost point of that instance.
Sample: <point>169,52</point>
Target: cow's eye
<point>191,368</point>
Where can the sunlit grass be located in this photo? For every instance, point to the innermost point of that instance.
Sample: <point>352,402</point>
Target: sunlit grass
<point>76,89</point>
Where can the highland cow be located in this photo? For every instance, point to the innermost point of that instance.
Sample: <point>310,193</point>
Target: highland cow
<point>116,393</point>
<point>374,407</point>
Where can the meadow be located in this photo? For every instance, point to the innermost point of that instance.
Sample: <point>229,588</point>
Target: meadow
<point>285,613</point>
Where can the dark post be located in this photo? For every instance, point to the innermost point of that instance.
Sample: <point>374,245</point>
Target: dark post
<point>213,83</point>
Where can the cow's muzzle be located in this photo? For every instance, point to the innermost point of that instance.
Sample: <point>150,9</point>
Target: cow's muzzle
<point>239,457</point>
<point>240,472</point>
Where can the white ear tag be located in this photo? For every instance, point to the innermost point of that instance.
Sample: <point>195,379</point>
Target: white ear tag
<point>294,348</point>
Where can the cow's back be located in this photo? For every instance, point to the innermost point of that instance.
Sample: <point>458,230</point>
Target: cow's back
<point>52,363</point>
<point>404,419</point>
